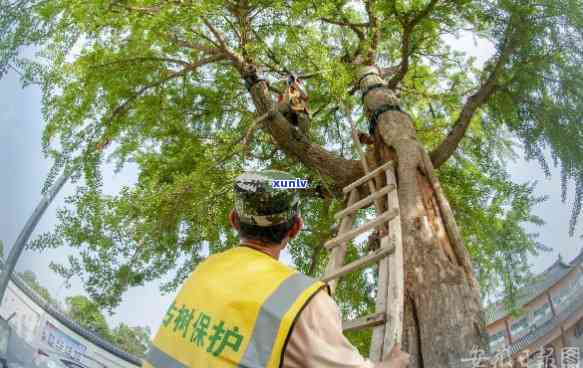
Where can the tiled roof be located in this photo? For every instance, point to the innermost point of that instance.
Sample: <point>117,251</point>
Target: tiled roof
<point>553,323</point>
<point>539,285</point>
<point>542,330</point>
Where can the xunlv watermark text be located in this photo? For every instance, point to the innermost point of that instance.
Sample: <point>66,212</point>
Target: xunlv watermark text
<point>290,183</point>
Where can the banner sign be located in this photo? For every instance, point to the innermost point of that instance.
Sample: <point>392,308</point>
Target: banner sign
<point>58,340</point>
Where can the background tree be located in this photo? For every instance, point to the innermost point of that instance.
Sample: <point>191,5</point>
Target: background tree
<point>88,314</point>
<point>134,340</point>
<point>31,280</point>
<point>161,84</point>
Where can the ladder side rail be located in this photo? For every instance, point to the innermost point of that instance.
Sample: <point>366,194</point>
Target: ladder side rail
<point>371,184</point>
<point>378,333</point>
<point>396,278</point>
<point>387,268</point>
<point>339,253</point>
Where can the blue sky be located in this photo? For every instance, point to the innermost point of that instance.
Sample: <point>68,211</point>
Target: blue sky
<point>24,169</point>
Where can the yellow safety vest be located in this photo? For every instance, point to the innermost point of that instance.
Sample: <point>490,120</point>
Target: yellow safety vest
<point>237,309</point>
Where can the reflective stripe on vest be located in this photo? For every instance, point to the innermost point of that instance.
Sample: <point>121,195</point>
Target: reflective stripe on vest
<point>282,293</point>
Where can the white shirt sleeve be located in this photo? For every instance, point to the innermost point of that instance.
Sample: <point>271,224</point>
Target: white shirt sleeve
<point>317,339</point>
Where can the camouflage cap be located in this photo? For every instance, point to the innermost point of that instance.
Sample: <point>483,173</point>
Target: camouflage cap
<point>258,203</point>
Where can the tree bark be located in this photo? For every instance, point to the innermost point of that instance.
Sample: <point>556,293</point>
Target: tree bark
<point>443,315</point>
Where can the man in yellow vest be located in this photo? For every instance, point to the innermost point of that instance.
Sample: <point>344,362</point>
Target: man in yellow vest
<point>243,308</point>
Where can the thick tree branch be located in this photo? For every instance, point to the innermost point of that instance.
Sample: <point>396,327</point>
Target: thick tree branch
<point>405,54</point>
<point>205,49</point>
<point>448,146</point>
<point>423,13</point>
<point>393,9</point>
<point>236,58</point>
<point>150,10</point>
<point>359,29</point>
<point>344,22</point>
<point>406,49</point>
<point>374,32</point>
<point>355,27</point>
<point>340,170</point>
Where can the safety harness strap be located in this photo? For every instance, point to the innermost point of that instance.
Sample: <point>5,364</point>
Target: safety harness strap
<point>375,115</point>
<point>370,88</point>
<point>364,76</point>
<point>250,81</point>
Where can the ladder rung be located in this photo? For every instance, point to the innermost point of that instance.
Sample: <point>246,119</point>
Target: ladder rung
<point>367,177</point>
<point>365,201</point>
<point>344,237</point>
<point>359,263</point>
<point>371,320</point>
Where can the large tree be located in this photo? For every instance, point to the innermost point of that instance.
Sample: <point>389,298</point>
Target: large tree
<point>161,85</point>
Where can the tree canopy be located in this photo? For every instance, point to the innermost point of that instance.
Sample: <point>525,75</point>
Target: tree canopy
<point>160,85</point>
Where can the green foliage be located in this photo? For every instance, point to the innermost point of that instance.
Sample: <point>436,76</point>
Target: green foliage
<point>491,212</point>
<point>88,314</point>
<point>31,280</point>
<point>544,111</point>
<point>134,340</point>
<point>119,85</point>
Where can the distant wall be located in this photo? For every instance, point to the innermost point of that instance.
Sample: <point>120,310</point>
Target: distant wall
<point>44,327</point>
<point>27,314</point>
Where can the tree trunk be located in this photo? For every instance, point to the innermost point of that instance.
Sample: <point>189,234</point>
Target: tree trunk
<point>443,315</point>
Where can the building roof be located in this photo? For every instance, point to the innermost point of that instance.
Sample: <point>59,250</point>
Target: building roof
<point>547,327</point>
<point>72,325</point>
<point>540,283</point>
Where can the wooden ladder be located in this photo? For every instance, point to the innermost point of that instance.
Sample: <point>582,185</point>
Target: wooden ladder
<point>387,320</point>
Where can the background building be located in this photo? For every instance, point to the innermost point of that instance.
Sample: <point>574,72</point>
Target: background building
<point>551,319</point>
<point>37,325</point>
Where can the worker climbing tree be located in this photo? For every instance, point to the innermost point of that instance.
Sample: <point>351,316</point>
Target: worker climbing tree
<point>193,93</point>
<point>293,104</point>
